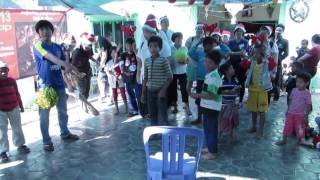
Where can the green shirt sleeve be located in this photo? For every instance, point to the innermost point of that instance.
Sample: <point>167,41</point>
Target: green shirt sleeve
<point>40,49</point>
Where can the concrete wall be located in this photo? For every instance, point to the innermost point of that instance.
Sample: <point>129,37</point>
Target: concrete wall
<point>259,13</point>
<point>295,32</point>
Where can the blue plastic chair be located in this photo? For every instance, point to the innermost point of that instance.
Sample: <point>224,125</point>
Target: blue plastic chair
<point>172,162</point>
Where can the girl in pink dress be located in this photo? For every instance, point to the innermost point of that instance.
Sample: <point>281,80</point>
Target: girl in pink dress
<point>298,109</point>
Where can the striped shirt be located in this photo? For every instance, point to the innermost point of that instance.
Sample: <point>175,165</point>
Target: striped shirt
<point>157,71</point>
<point>9,95</point>
<point>229,85</point>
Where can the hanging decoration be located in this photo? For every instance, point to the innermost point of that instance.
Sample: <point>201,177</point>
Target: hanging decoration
<point>206,15</point>
<point>128,30</point>
<point>299,11</point>
<point>172,1</point>
<point>191,2</point>
<point>206,2</point>
<point>233,9</point>
<point>270,9</point>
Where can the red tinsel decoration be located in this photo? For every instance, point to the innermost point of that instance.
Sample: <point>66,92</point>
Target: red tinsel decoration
<point>206,2</point>
<point>272,63</point>
<point>257,40</point>
<point>172,1</point>
<point>191,2</point>
<point>245,64</point>
<point>128,30</point>
<point>315,139</point>
<point>208,29</point>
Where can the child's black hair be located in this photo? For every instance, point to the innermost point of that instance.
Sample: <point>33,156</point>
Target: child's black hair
<point>224,68</point>
<point>306,40</point>
<point>208,41</point>
<point>43,23</point>
<point>114,48</point>
<point>214,56</point>
<point>297,64</point>
<point>176,35</point>
<point>130,41</point>
<point>155,39</point>
<point>261,48</point>
<point>316,39</point>
<point>305,76</point>
<point>281,26</point>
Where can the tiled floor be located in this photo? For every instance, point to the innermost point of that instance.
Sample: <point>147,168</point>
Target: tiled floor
<point>111,148</point>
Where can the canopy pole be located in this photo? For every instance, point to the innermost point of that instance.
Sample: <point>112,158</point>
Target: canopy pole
<point>113,32</point>
<point>123,40</point>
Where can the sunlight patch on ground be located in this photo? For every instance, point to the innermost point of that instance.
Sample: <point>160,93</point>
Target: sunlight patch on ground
<point>10,164</point>
<point>224,176</point>
<point>135,118</point>
<point>97,138</point>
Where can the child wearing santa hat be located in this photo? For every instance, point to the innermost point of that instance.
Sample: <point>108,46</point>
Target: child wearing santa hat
<point>225,36</point>
<point>149,29</point>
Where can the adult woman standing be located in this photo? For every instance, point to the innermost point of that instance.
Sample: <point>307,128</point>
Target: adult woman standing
<point>239,47</point>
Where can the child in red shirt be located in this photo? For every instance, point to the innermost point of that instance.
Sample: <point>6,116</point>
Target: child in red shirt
<point>10,108</point>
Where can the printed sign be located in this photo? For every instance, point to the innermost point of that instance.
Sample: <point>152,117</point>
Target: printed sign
<point>18,37</point>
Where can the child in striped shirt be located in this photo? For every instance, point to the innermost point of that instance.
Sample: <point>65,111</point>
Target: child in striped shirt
<point>229,115</point>
<point>157,78</point>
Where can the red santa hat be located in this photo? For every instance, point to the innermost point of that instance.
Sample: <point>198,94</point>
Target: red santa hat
<point>150,24</point>
<point>164,18</point>
<point>216,32</point>
<point>86,37</point>
<point>240,27</point>
<point>226,33</point>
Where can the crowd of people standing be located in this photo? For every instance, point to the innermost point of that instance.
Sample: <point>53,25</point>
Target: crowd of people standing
<point>213,68</point>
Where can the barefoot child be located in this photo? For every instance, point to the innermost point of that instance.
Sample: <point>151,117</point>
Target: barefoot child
<point>10,108</point>
<point>115,80</point>
<point>259,83</point>
<point>211,103</point>
<point>299,108</point>
<point>229,115</point>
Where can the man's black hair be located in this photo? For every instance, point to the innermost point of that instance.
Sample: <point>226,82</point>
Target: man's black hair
<point>224,68</point>
<point>103,43</point>
<point>214,56</point>
<point>208,41</point>
<point>316,38</point>
<point>130,41</point>
<point>297,64</point>
<point>176,35</point>
<point>43,23</point>
<point>305,76</point>
<point>281,26</point>
<point>155,39</point>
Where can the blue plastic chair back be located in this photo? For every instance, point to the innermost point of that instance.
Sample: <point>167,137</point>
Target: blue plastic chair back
<point>173,145</point>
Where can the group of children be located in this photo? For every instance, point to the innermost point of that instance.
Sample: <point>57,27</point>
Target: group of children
<point>216,96</point>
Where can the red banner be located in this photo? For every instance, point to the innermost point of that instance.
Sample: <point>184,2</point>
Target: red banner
<point>17,37</point>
